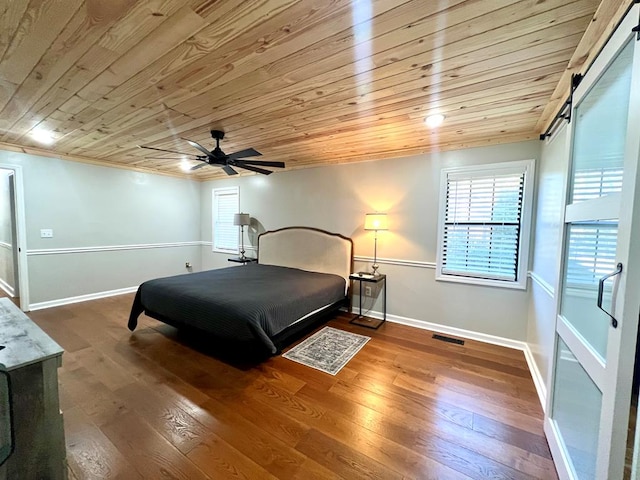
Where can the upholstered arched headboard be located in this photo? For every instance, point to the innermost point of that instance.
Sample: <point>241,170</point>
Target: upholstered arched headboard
<point>307,248</point>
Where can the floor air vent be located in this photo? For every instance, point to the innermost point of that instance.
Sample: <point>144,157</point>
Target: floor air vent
<point>448,339</point>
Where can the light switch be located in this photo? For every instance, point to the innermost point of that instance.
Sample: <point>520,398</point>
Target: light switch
<point>46,233</point>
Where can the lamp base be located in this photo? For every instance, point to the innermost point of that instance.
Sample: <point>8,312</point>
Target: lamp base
<point>374,269</point>
<point>242,257</point>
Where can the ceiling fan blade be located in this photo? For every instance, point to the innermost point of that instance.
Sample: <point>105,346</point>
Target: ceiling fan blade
<point>200,165</point>
<point>198,146</point>
<point>169,151</point>
<point>229,171</point>
<point>263,163</point>
<point>249,152</point>
<point>241,164</point>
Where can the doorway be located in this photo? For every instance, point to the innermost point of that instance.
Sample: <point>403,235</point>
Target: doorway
<point>13,260</point>
<point>9,275</point>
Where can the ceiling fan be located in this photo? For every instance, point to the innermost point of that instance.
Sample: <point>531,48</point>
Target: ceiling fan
<point>217,157</point>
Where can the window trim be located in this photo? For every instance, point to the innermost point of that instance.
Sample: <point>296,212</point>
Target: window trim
<point>214,193</point>
<point>528,166</point>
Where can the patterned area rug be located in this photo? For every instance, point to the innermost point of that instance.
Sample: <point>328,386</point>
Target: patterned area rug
<point>327,350</point>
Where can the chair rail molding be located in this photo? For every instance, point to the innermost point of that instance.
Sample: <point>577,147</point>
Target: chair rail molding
<point>109,248</point>
<point>542,283</point>
<point>396,261</point>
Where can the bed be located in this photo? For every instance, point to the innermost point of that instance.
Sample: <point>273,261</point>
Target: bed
<point>302,274</point>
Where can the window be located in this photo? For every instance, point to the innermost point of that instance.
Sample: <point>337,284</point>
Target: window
<point>226,203</point>
<point>483,232</point>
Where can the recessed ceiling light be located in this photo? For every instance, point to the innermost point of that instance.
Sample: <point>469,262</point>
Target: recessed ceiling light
<point>185,165</point>
<point>434,121</point>
<point>43,136</point>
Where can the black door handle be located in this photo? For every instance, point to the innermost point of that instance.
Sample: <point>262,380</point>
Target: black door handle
<point>618,271</point>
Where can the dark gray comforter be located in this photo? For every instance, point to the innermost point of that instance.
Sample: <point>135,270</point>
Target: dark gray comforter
<point>242,303</point>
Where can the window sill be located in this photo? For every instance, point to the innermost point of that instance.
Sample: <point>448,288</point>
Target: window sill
<point>520,285</point>
<point>225,251</point>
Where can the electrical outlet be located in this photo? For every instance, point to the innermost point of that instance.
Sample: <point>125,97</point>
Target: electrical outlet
<point>46,233</point>
<point>367,290</point>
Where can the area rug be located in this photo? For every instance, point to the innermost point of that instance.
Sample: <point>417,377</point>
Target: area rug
<point>327,350</point>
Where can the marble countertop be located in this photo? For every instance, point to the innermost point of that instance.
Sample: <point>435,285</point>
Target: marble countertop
<point>25,342</point>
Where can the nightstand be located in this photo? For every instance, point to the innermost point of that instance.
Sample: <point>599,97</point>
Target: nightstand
<point>373,279</point>
<point>243,261</point>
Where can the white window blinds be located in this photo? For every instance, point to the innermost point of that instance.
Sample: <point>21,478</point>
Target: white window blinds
<point>592,246</point>
<point>225,234</point>
<point>482,225</point>
<point>591,253</point>
<point>596,182</point>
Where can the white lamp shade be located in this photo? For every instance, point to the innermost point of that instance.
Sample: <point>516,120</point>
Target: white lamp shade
<point>376,221</point>
<point>241,219</point>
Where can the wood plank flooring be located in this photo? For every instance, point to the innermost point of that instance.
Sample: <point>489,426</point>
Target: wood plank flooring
<point>147,405</point>
<point>15,300</point>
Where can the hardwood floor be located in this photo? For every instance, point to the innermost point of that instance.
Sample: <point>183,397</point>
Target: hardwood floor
<point>15,300</point>
<point>147,405</point>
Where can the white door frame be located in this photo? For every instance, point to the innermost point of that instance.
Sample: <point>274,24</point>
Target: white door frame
<point>21,233</point>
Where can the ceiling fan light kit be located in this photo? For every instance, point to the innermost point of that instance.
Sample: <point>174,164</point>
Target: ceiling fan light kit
<point>218,158</point>
<point>185,165</point>
<point>43,136</point>
<point>435,120</point>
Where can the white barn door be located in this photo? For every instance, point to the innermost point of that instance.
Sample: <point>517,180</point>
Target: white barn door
<point>599,300</point>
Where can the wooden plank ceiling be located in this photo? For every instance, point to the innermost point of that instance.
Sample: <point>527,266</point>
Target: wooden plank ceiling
<point>308,82</point>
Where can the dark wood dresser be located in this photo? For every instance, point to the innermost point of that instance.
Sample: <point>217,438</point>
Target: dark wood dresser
<point>32,359</point>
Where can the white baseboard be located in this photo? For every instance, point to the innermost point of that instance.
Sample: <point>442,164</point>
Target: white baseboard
<point>81,298</point>
<point>478,336</point>
<point>459,332</point>
<point>7,288</point>
<point>538,381</point>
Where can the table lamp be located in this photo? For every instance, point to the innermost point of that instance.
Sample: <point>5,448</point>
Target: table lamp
<point>375,222</point>
<point>241,219</point>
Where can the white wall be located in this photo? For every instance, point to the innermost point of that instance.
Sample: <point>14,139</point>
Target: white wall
<point>336,198</point>
<point>552,173</point>
<point>89,207</point>
<point>7,276</point>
